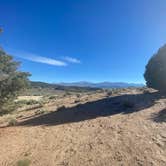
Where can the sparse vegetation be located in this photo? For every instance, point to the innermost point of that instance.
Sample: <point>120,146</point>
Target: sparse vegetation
<point>40,111</point>
<point>52,97</point>
<point>109,93</point>
<point>77,101</point>
<point>26,105</point>
<point>31,102</point>
<point>67,93</point>
<point>12,121</point>
<point>78,95</point>
<point>27,102</point>
<point>146,91</point>
<point>25,162</point>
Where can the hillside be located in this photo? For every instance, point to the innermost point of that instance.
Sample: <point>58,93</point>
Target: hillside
<point>42,88</point>
<point>60,87</point>
<point>102,84</point>
<point>118,127</point>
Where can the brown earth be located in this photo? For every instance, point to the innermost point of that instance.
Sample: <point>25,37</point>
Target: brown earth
<point>126,129</point>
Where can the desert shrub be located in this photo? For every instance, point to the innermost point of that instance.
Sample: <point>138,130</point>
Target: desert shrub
<point>22,103</point>
<point>109,93</point>
<point>44,101</point>
<point>7,107</point>
<point>78,95</point>
<point>12,121</point>
<point>11,81</point>
<point>61,108</point>
<point>77,101</point>
<point>146,91</point>
<point>32,102</point>
<point>40,111</point>
<point>32,107</point>
<point>115,91</point>
<point>68,93</point>
<point>25,162</point>
<point>155,74</point>
<point>52,97</point>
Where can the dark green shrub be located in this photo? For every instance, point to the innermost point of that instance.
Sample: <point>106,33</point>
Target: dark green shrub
<point>155,74</point>
<point>11,81</point>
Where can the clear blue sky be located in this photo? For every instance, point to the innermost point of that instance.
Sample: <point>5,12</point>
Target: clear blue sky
<point>88,40</point>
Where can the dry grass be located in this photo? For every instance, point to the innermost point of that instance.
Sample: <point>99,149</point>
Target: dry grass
<point>37,98</point>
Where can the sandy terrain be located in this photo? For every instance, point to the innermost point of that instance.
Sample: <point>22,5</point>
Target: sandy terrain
<point>94,131</point>
<point>29,97</point>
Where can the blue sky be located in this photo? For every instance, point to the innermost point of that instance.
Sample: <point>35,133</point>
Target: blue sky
<point>83,40</point>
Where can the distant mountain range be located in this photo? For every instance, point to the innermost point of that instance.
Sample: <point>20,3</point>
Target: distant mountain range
<point>43,85</point>
<point>102,84</point>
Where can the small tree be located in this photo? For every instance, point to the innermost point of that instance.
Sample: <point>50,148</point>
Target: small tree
<point>155,74</point>
<point>11,81</point>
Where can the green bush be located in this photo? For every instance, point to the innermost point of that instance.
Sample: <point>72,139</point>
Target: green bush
<point>24,162</point>
<point>155,74</point>
<point>11,81</point>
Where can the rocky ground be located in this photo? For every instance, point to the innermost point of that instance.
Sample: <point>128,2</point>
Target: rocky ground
<point>127,128</point>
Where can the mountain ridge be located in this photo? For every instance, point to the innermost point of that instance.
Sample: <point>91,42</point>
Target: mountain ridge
<point>105,84</point>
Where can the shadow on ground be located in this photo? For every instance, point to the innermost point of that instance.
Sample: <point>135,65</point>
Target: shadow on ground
<point>124,104</point>
<point>160,116</point>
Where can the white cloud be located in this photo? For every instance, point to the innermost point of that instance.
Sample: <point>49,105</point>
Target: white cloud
<point>41,59</point>
<point>71,60</point>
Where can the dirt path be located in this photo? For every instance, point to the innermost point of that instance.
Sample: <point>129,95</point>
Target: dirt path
<point>130,139</point>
